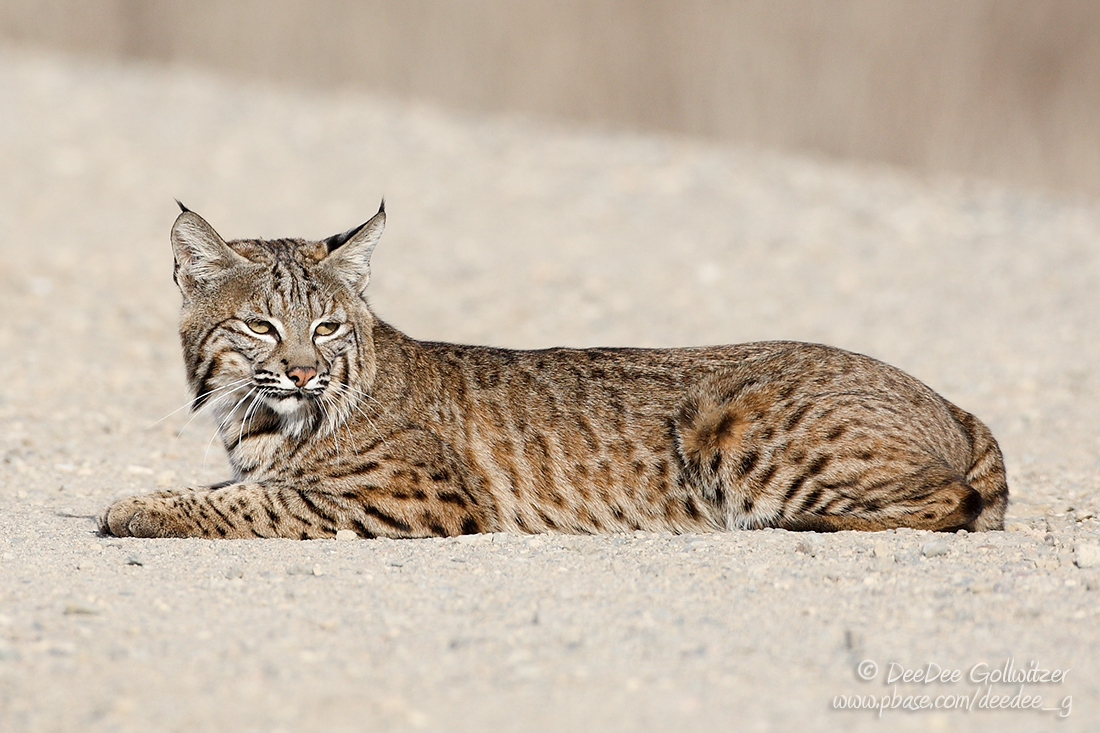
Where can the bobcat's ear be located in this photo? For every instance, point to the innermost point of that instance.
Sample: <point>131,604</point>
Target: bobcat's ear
<point>349,253</point>
<point>200,251</point>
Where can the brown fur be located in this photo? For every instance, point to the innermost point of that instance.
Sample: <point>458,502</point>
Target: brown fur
<point>399,438</point>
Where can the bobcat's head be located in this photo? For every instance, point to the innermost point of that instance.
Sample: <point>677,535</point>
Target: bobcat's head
<point>276,333</point>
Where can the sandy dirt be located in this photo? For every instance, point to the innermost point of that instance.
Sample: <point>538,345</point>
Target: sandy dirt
<point>512,233</point>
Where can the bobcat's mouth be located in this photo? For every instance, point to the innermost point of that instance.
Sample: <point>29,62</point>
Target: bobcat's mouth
<point>290,400</point>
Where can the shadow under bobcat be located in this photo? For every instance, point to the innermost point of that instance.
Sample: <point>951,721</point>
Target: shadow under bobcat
<point>335,420</point>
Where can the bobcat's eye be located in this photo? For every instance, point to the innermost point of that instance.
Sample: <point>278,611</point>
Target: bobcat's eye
<point>260,327</point>
<point>326,329</point>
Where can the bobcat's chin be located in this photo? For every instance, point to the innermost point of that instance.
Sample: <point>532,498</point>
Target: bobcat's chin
<point>297,412</point>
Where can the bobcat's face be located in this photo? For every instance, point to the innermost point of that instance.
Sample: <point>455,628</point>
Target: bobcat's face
<point>293,360</point>
<point>276,333</point>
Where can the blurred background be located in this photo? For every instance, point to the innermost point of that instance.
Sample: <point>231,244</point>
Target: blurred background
<point>1003,89</point>
<point>918,181</point>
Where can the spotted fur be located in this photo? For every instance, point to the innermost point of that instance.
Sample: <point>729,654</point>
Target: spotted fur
<point>334,420</point>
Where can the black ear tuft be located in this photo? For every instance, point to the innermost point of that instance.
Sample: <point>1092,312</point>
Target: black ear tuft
<point>183,208</point>
<point>337,240</point>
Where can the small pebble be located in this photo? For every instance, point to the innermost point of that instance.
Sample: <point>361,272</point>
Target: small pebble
<point>346,535</point>
<point>935,548</point>
<point>1087,555</point>
<point>304,570</point>
<point>132,560</point>
<point>234,572</point>
<point>809,545</point>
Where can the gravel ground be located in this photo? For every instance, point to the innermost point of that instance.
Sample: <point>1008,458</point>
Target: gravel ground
<point>519,234</point>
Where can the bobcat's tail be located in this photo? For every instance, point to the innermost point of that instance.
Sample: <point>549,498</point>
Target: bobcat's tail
<point>986,474</point>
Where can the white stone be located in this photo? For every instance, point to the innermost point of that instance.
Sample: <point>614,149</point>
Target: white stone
<point>935,548</point>
<point>1087,555</point>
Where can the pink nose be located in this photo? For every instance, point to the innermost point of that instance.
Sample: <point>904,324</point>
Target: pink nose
<point>300,375</point>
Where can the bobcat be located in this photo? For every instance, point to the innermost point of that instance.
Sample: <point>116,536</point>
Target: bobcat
<point>334,420</point>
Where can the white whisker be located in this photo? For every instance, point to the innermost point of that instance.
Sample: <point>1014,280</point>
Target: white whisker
<point>205,405</point>
<point>249,413</point>
<point>191,402</point>
<point>224,422</point>
<point>342,421</point>
<point>209,404</point>
<point>328,419</point>
<point>354,392</point>
<point>351,435</point>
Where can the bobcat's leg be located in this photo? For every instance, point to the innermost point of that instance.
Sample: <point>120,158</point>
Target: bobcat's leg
<point>404,488</point>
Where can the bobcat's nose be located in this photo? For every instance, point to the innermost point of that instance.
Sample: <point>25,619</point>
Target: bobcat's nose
<point>300,375</point>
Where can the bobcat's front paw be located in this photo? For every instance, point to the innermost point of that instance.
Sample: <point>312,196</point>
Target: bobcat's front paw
<point>142,516</point>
